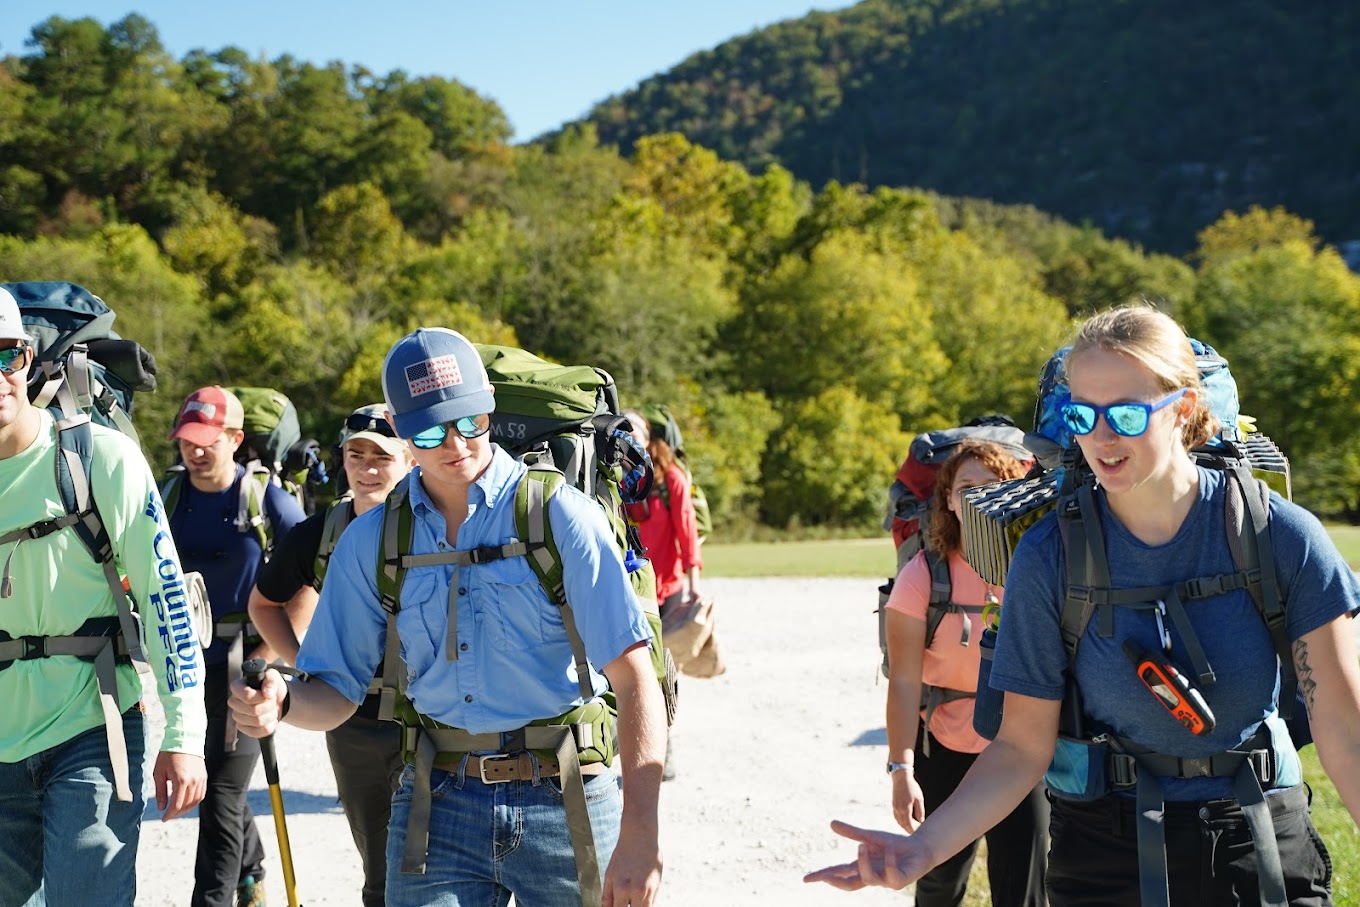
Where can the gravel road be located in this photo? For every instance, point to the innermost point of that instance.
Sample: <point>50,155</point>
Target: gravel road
<point>789,738</point>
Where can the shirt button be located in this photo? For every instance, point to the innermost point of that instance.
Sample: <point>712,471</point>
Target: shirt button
<point>467,698</point>
<point>463,647</point>
<point>462,590</point>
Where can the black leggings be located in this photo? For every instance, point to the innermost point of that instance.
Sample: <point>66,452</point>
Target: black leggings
<point>1016,846</point>
<point>1210,857</point>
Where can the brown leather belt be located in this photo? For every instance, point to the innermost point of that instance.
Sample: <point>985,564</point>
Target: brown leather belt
<point>497,768</point>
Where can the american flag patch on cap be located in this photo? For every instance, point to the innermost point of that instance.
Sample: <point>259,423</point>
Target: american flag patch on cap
<point>432,375</point>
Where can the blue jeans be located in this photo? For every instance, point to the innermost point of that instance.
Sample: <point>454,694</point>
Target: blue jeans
<point>58,812</point>
<point>488,841</point>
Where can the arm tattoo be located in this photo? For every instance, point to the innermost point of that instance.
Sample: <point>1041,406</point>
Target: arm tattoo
<point>1307,685</point>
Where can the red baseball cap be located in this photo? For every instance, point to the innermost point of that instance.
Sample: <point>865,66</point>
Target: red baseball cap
<point>206,413</point>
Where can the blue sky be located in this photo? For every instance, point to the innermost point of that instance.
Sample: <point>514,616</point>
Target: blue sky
<point>544,61</point>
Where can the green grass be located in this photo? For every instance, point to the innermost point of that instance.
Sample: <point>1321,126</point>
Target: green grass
<point>830,557</point>
<point>1347,540</point>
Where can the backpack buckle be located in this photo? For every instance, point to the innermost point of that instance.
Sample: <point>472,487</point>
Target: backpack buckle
<point>46,527</point>
<point>484,554</point>
<point>1123,770</point>
<point>34,647</point>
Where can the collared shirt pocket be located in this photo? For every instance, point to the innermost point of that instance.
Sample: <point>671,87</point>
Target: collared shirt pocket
<point>511,604</point>
<point>424,611</point>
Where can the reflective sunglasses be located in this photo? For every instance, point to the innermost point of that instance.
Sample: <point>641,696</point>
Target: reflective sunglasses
<point>13,358</point>
<point>469,427</point>
<point>361,422</point>
<point>1127,419</point>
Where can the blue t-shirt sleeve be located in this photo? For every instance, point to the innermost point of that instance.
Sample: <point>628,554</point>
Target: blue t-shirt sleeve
<point>606,611</point>
<point>345,640</point>
<point>1319,586</point>
<point>1030,658</point>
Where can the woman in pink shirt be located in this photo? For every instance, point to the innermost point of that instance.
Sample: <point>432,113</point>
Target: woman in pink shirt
<point>928,758</point>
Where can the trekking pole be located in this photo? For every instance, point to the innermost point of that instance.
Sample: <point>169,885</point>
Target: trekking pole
<point>253,669</point>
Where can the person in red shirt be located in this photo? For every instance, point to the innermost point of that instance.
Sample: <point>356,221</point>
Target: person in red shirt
<point>666,523</point>
<point>669,534</point>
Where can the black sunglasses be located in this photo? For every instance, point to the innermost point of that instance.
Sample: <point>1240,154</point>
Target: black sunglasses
<point>362,422</point>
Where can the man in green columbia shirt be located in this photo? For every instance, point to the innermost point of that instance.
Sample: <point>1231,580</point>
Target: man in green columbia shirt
<point>71,807</point>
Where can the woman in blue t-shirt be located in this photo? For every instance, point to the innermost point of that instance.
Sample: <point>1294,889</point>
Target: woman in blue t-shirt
<point>1136,406</point>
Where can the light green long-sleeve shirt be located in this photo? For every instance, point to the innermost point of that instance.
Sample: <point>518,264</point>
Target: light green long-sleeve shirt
<point>57,586</point>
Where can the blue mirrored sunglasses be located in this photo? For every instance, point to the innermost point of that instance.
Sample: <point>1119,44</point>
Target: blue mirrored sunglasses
<point>1127,419</point>
<point>469,427</point>
<point>13,358</point>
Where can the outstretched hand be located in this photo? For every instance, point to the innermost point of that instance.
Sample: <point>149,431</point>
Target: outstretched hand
<point>885,859</point>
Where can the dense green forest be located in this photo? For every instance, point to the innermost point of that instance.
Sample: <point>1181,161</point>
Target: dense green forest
<point>274,222</point>
<point>1147,118</point>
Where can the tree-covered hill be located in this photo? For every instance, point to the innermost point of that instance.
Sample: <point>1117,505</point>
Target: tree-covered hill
<point>1147,118</point>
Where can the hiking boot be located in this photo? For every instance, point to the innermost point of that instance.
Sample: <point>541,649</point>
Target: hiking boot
<point>668,770</point>
<point>250,893</point>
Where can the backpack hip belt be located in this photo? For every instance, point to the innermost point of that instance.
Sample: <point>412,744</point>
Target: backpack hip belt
<point>92,641</point>
<point>932,697</point>
<point>1250,767</point>
<point>513,757</point>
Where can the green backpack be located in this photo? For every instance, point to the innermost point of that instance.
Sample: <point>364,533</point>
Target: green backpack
<point>274,440</point>
<point>663,425</point>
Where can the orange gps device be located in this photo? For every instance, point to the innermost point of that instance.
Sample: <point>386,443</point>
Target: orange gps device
<point>1176,694</point>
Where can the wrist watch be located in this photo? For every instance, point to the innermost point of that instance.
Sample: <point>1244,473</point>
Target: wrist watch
<point>901,767</point>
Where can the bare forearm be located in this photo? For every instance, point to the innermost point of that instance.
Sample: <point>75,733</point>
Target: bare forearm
<point>276,629</point>
<point>315,705</point>
<point>1329,680</point>
<point>1000,778</point>
<point>903,719</point>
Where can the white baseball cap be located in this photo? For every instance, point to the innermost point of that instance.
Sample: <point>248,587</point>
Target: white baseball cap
<point>11,324</point>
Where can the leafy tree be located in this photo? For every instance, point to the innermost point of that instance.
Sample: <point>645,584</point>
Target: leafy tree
<point>1233,234</point>
<point>847,315</point>
<point>830,461</point>
<point>357,237</point>
<point>1285,317</point>
<point>992,321</point>
<point>212,240</point>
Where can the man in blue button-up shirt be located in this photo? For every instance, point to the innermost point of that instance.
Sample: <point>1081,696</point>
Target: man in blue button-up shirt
<point>513,662</point>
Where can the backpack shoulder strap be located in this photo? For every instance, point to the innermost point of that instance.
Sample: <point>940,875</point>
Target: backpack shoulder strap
<point>339,514</point>
<point>398,528</point>
<point>941,590</point>
<point>532,526</point>
<point>251,515</point>
<point>1247,519</point>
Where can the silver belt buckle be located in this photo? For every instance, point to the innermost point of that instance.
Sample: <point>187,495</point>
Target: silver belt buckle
<point>494,757</point>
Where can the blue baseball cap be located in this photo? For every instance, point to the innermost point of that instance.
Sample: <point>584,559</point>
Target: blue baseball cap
<point>432,376</point>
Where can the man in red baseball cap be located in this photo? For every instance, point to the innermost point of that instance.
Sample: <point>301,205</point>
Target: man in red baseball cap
<point>215,513</point>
